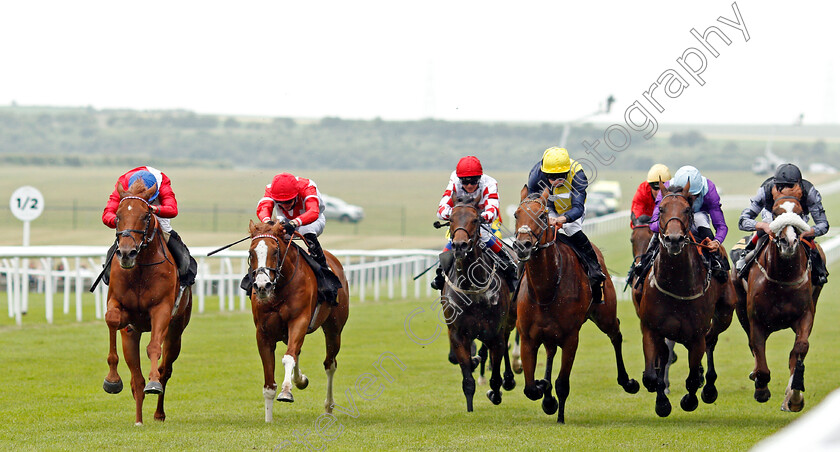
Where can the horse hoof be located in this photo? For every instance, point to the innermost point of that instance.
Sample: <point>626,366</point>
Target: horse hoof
<point>709,394</point>
<point>794,407</point>
<point>508,384</point>
<point>481,381</point>
<point>474,362</point>
<point>663,406</point>
<point>762,395</point>
<point>549,405</point>
<point>752,376</point>
<point>303,383</point>
<point>516,366</point>
<point>631,387</point>
<point>138,424</point>
<point>533,391</point>
<point>689,402</point>
<point>153,387</point>
<point>112,387</point>
<point>286,396</point>
<point>494,396</point>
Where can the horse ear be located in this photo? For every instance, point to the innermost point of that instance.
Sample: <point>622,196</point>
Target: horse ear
<point>121,191</point>
<point>544,194</point>
<point>775,192</point>
<point>147,193</point>
<point>523,193</point>
<point>251,227</point>
<point>686,191</point>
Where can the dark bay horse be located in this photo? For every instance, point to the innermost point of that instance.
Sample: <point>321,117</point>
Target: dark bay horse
<point>779,294</point>
<point>640,237</point>
<point>284,302</point>
<point>553,302</point>
<point>143,296</point>
<point>680,300</point>
<point>476,302</point>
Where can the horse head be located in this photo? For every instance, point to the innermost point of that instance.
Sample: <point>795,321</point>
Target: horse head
<point>676,217</point>
<point>464,225</point>
<point>135,223</point>
<point>787,225</point>
<point>531,225</point>
<point>264,258</point>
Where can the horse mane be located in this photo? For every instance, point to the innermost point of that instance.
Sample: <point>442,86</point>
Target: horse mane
<point>467,199</point>
<point>266,228</point>
<point>674,189</point>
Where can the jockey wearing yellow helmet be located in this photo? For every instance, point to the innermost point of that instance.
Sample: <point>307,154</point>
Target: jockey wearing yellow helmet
<point>567,183</point>
<point>641,210</point>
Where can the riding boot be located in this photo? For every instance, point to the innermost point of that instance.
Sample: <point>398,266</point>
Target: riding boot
<point>746,256</point>
<point>646,261</point>
<point>187,266</point>
<point>508,270</point>
<point>327,289</point>
<point>593,267</point>
<point>717,264</point>
<point>819,274</point>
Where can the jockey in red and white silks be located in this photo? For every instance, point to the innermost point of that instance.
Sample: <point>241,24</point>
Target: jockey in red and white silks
<point>293,200</point>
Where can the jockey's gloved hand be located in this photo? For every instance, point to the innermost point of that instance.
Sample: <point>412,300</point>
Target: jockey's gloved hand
<point>487,217</point>
<point>290,227</point>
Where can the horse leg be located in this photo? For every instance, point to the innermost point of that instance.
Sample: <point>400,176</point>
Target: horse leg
<point>482,357</point>
<point>266,348</point>
<point>332,339</point>
<point>794,400</point>
<point>116,318</point>
<point>562,384</point>
<point>696,348</point>
<point>516,355</point>
<point>655,352</point>
<point>508,382</point>
<point>131,353</point>
<point>160,317</point>
<point>297,331</point>
<point>724,309</point>
<point>498,348</point>
<point>761,373</point>
<point>171,350</point>
<point>461,346</point>
<point>532,390</point>
<point>606,321</point>
<point>549,403</point>
<point>666,365</point>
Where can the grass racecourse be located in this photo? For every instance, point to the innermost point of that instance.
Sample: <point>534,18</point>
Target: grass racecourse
<point>52,395</point>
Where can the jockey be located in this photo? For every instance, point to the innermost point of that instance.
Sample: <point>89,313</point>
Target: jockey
<point>567,184</point>
<point>165,207</point>
<point>707,214</point>
<point>469,177</point>
<point>787,175</point>
<point>641,210</point>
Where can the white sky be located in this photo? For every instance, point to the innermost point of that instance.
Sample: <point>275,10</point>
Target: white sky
<point>451,59</point>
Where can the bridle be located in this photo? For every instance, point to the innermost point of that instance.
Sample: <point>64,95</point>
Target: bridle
<point>267,270</point>
<point>542,218</point>
<point>777,239</point>
<point>147,237</point>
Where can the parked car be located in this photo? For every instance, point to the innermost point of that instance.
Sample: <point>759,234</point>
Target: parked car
<point>337,209</point>
<point>608,190</point>
<point>597,205</point>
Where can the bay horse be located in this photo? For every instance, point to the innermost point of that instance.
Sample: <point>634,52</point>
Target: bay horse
<point>779,294</point>
<point>284,303</point>
<point>476,302</point>
<point>553,302</point>
<point>143,296</point>
<point>680,300</point>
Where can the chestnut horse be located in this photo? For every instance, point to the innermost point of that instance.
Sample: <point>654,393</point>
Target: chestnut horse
<point>779,294</point>
<point>553,302</point>
<point>680,300</point>
<point>476,302</point>
<point>143,296</point>
<point>284,302</point>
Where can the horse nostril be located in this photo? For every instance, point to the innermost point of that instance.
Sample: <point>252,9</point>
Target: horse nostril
<point>119,253</point>
<point>132,254</point>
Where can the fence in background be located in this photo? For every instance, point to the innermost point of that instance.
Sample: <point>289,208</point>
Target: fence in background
<point>68,271</point>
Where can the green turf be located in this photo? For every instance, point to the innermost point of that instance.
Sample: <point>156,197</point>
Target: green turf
<point>53,397</point>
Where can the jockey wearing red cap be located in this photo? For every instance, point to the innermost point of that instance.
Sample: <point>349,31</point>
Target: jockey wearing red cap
<point>297,202</point>
<point>165,207</point>
<point>469,177</point>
